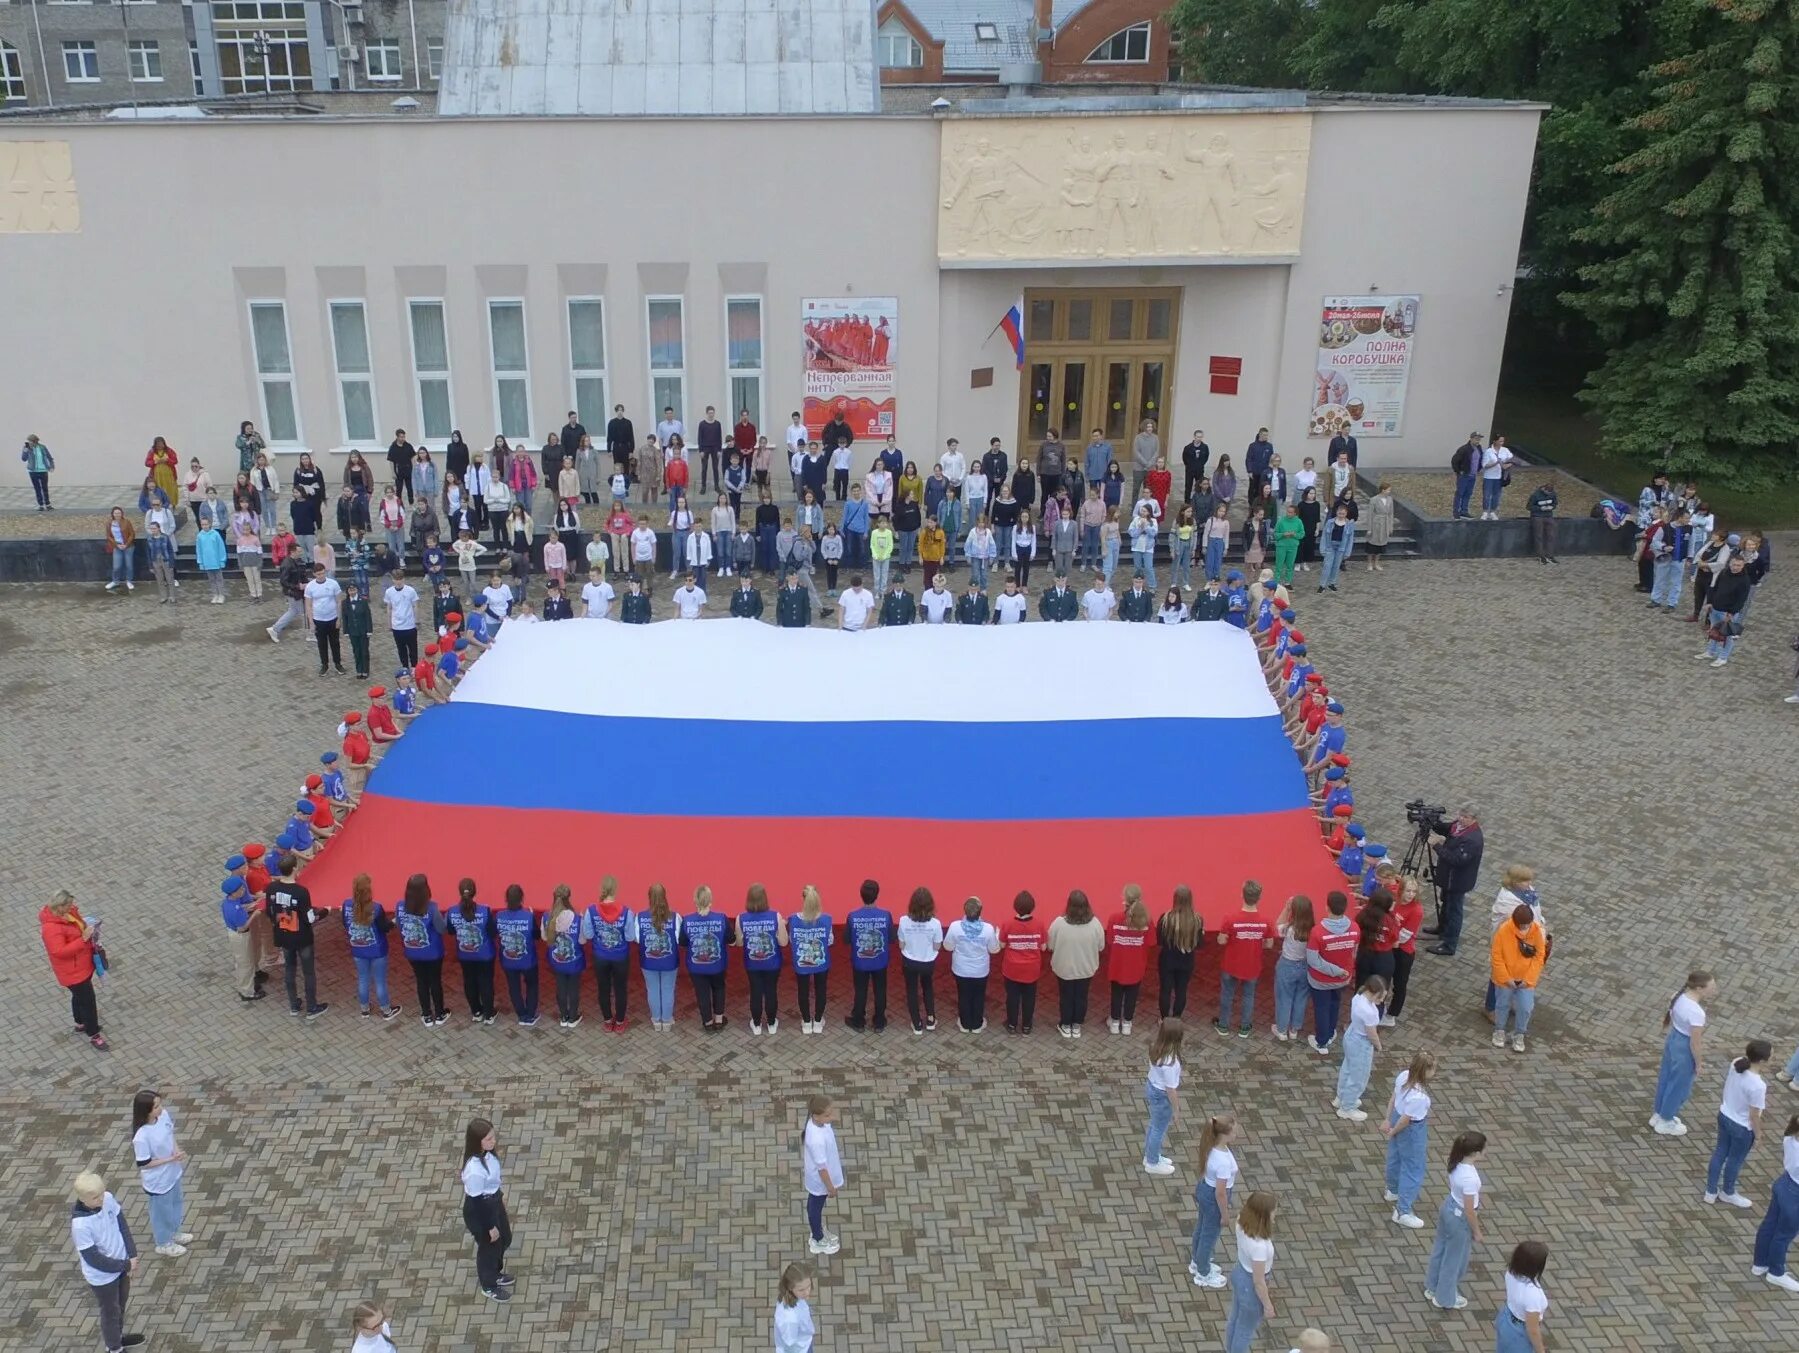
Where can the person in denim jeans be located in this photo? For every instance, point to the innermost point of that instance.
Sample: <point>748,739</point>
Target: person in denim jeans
<point>1728,598</point>
<point>1466,465</point>
<point>1739,1119</point>
<point>982,548</point>
<point>1291,990</point>
<point>1337,539</point>
<point>1669,553</point>
<point>1143,544</point>
<point>1408,1138</point>
<point>1359,1046</point>
<point>1161,1093</point>
<point>1458,1224</point>
<point>121,547</point>
<point>1212,1193</point>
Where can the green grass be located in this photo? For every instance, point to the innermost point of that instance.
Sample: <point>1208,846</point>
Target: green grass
<point>1553,425</point>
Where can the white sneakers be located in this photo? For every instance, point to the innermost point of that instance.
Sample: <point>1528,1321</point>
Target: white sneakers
<point>1517,1042</point>
<point>1390,1196</point>
<point>1353,1115</point>
<point>1127,1026</point>
<point>1388,1022</point>
<point>172,1250</point>
<point>829,1245</point>
<point>1214,1278</point>
<point>1499,1038</point>
<point>1785,1280</point>
<point>1112,1026</point>
<point>1668,1127</point>
<point>1734,1199</point>
<point>755,1030</point>
<point>1280,1034</point>
<point>1160,1165</point>
<point>1075,1032</point>
<point>1407,1220</point>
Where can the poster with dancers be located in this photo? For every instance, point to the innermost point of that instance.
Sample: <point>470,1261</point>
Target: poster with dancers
<point>852,343</point>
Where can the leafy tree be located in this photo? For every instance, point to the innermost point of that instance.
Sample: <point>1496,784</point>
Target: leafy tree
<point>1238,42</point>
<point>1697,293</point>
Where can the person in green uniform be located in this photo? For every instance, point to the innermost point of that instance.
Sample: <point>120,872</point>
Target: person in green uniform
<point>972,607</point>
<point>636,609</point>
<point>1287,535</point>
<point>358,622</point>
<point>793,605</point>
<point>746,601</point>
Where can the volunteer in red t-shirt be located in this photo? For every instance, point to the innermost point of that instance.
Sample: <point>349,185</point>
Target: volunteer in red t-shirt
<point>380,717</point>
<point>1408,917</point>
<point>1244,937</point>
<point>1021,942</point>
<point>1127,951</point>
<point>1330,963</point>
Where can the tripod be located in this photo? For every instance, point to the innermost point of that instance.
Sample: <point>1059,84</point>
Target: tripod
<point>1418,861</point>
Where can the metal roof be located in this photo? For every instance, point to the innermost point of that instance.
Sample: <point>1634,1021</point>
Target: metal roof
<point>952,22</point>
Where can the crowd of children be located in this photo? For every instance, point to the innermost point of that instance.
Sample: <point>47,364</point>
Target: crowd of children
<point>1679,545</point>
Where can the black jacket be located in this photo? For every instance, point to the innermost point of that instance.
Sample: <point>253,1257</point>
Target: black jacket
<point>972,610</point>
<point>898,608</point>
<point>1210,606</point>
<point>793,608</point>
<point>1063,605</point>
<point>456,458</point>
<point>994,465</point>
<point>711,433</point>
<point>1729,591</point>
<point>621,437</point>
<point>1458,860</point>
<point>1343,441</point>
<point>835,431</point>
<point>746,604</point>
<point>1466,458</point>
<point>1195,456</point>
<point>556,607</point>
<point>1137,606</point>
<point>571,436</point>
<point>351,512</point>
<point>636,609</point>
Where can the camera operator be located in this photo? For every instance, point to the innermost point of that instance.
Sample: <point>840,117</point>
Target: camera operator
<point>1458,867</point>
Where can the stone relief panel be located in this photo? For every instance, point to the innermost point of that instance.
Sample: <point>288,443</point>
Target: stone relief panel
<point>37,189</point>
<point>1166,186</point>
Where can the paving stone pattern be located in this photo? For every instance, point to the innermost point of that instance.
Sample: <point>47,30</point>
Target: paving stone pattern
<point>994,1200</point>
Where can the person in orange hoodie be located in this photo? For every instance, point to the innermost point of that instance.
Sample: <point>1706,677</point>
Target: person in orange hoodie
<point>69,941</point>
<point>1519,950</point>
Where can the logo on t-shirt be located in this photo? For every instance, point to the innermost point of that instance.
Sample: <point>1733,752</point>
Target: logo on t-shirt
<point>869,935</point>
<point>809,949</point>
<point>655,942</point>
<point>758,943</point>
<point>415,931</point>
<point>468,934</point>
<point>704,945</point>
<point>512,941</point>
<point>562,948</point>
<point>361,936</point>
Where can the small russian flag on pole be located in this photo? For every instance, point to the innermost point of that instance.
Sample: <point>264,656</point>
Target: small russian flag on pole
<point>1012,324</point>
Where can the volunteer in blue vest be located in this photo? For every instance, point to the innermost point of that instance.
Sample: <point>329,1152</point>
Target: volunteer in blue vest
<point>421,928</point>
<point>704,936</point>
<point>564,940</point>
<point>809,934</point>
<point>484,1209</point>
<point>658,953</point>
<point>870,932</point>
<point>610,930</point>
<point>760,934</point>
<point>366,924</point>
<point>471,923</point>
<point>515,931</point>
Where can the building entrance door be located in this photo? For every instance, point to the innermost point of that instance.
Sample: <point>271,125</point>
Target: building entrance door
<point>1097,359</point>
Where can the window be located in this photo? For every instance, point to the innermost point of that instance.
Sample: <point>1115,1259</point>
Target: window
<point>12,74</point>
<point>587,359</point>
<point>743,356</point>
<point>668,356</point>
<point>434,58</point>
<point>1128,44</point>
<point>511,371</point>
<point>80,63</point>
<point>355,373</point>
<point>431,367</point>
<point>193,60</point>
<point>383,59</point>
<point>144,59</point>
<point>275,371</point>
<point>898,49</point>
<point>986,32</point>
<point>262,46</point>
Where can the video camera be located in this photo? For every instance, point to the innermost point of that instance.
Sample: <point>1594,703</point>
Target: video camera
<point>1433,817</point>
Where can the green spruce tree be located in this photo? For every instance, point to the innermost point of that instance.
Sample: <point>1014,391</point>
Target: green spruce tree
<point>1697,298</point>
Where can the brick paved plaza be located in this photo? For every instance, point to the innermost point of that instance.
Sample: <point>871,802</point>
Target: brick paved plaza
<point>994,1198</point>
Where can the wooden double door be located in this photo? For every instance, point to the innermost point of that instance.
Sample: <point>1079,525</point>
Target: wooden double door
<point>1097,359</point>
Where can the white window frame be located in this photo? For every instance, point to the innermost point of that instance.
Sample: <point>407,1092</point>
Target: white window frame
<point>265,379</point>
<point>1146,28</point>
<point>667,373</point>
<point>87,49</point>
<point>985,30</point>
<point>434,58</point>
<point>12,75</point>
<point>577,374</point>
<point>148,48</point>
<point>523,374</point>
<point>385,46</point>
<point>353,377</point>
<point>419,377</point>
<point>756,373</point>
<point>193,63</point>
<point>891,32</point>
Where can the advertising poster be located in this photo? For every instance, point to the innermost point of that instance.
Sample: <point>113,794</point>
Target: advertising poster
<point>852,343</point>
<point>1364,359</point>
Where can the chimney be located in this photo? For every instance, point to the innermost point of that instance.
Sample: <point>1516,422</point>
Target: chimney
<point>1040,10</point>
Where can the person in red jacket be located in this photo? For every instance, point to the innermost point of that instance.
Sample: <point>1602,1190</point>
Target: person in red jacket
<point>1127,950</point>
<point>1330,962</point>
<point>1158,481</point>
<point>1021,944</point>
<point>1408,912</point>
<point>69,941</point>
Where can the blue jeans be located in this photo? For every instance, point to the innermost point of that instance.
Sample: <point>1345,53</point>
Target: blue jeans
<point>1334,555</point>
<point>1490,489</point>
<point>1734,1141</point>
<point>1674,1082</point>
<point>371,971</point>
<point>1775,1235</point>
<point>1449,1254</point>
<point>1183,562</point>
<point>1352,1079</point>
<point>1161,1114</point>
<point>1464,491</point>
<point>722,546</point>
<point>1668,579</point>
<point>1245,1319</point>
<point>1327,1006</point>
<point>1718,648</point>
<point>165,1214</point>
<point>1090,546</point>
<point>906,548</point>
<point>881,569</point>
<point>660,989</point>
<point>396,546</point>
<point>1792,1066</point>
<point>1206,1229</point>
<point>124,565</point>
<point>1109,565</point>
<point>677,561</point>
<point>1214,559</point>
<point>815,1214</point>
<point>1405,1162</point>
<point>1290,987</point>
<point>1510,1336</point>
<point>1450,935</point>
<point>1228,987</point>
<point>1515,1002</point>
<point>977,572</point>
<point>1144,562</point>
<point>1002,536</point>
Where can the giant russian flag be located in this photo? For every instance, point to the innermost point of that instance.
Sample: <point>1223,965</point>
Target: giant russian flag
<point>969,760</point>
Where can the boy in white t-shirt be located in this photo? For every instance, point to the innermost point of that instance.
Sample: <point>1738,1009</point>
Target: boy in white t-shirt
<point>597,595</point>
<point>822,1168</point>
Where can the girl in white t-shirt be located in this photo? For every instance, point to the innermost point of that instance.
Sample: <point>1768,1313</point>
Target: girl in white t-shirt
<point>1359,1046</point>
<point>1161,1093</point>
<point>1408,1138</point>
<point>920,937</point>
<point>1250,1302</point>
<point>1458,1224</point>
<point>1739,1120</point>
<point>369,1322</point>
<point>160,1165</point>
<point>1684,1022</point>
<point>821,1167</point>
<point>793,1310</point>
<point>1213,1194</point>
<point>1519,1323</point>
<point>1775,1235</point>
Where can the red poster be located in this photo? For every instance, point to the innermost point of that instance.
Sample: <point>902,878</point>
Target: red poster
<point>852,346</point>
